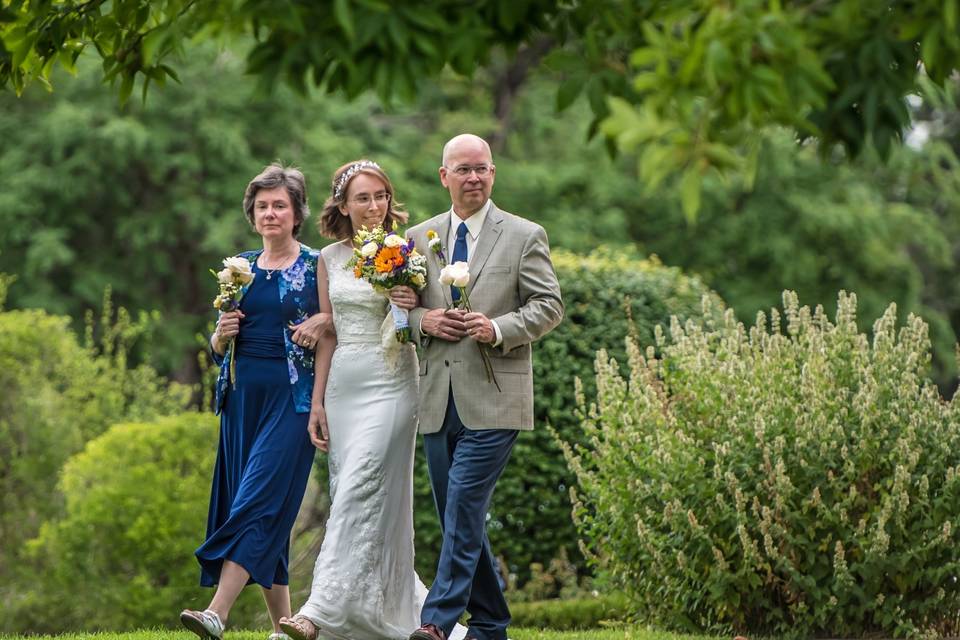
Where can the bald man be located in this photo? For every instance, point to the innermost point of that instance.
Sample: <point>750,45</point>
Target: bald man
<point>469,427</point>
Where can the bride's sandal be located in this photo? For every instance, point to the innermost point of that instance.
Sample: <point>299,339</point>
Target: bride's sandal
<point>299,628</point>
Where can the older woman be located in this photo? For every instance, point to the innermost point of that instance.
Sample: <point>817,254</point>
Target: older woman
<point>265,453</point>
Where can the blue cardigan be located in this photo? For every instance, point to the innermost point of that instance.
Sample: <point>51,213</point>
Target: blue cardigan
<point>298,301</point>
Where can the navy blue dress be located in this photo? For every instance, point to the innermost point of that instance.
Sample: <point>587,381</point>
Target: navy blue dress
<point>265,453</point>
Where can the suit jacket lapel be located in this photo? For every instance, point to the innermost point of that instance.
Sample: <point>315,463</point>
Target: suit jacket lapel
<point>489,235</point>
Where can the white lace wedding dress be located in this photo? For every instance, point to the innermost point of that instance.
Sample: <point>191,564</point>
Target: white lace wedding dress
<point>364,583</point>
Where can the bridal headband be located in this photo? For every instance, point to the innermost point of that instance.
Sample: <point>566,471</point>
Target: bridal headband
<point>351,171</point>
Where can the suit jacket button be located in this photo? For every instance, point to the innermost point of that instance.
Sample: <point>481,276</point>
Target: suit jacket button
<point>446,363</point>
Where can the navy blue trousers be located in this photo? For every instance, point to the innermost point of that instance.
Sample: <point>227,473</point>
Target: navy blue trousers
<point>464,466</point>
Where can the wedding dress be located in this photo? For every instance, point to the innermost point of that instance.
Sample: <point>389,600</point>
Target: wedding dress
<point>364,583</point>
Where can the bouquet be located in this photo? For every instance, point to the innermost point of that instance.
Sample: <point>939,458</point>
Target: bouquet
<point>458,275</point>
<point>235,275</point>
<point>386,260</point>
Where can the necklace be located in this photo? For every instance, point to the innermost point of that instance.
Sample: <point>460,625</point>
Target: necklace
<point>270,272</point>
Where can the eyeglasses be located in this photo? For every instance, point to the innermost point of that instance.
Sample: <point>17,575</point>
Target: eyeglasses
<point>364,199</point>
<point>464,170</point>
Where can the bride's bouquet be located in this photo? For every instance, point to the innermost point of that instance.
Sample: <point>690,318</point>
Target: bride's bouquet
<point>386,260</point>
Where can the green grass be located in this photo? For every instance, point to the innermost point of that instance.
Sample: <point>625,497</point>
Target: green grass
<point>624,633</point>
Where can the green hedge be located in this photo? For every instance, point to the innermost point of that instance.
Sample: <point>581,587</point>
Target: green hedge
<point>791,479</point>
<point>607,294</point>
<point>122,554</point>
<point>57,394</point>
<point>571,615</point>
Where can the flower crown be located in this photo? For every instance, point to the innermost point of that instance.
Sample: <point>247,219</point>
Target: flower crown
<point>347,175</point>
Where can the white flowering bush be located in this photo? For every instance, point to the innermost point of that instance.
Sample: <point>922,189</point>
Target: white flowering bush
<point>794,478</point>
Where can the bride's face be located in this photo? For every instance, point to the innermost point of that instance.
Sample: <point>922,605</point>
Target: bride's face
<point>367,202</point>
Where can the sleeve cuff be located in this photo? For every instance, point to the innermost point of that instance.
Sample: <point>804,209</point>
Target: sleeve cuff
<point>496,330</point>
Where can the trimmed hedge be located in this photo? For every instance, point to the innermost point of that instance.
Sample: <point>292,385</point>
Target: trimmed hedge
<point>571,615</point>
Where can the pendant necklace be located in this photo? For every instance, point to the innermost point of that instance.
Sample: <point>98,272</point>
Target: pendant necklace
<point>269,272</point>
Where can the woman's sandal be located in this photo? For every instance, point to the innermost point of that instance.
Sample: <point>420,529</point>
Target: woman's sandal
<point>299,627</point>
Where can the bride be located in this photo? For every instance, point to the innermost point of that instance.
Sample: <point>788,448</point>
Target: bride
<point>363,413</point>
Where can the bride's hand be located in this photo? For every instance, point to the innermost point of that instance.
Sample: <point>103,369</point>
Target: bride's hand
<point>307,333</point>
<point>404,297</point>
<point>317,427</point>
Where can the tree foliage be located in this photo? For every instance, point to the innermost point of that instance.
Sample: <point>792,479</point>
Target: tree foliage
<point>58,394</point>
<point>817,226</point>
<point>685,84</point>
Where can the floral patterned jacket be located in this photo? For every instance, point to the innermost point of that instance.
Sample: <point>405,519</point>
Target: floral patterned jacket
<point>298,301</point>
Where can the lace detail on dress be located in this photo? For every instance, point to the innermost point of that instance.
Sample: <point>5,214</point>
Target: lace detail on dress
<point>359,312</point>
<point>357,578</point>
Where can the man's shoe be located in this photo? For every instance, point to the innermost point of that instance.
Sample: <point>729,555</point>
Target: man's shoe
<point>205,624</point>
<point>428,632</point>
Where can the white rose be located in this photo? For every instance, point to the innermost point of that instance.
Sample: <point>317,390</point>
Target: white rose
<point>368,250</point>
<point>240,268</point>
<point>225,276</point>
<point>393,241</point>
<point>456,274</point>
<point>433,243</point>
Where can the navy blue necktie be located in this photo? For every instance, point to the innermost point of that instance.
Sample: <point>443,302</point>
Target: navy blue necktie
<point>459,254</point>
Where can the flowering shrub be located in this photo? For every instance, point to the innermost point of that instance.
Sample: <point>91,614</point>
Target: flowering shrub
<point>797,483</point>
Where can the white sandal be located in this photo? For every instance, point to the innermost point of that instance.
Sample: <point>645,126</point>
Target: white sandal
<point>205,624</point>
<point>278,635</point>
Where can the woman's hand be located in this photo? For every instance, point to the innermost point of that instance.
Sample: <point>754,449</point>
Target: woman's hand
<point>228,326</point>
<point>308,333</point>
<point>317,427</point>
<point>404,297</point>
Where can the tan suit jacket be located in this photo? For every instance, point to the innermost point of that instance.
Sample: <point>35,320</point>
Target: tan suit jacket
<point>512,281</point>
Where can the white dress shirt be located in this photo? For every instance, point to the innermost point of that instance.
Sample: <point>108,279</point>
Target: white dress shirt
<point>474,227</point>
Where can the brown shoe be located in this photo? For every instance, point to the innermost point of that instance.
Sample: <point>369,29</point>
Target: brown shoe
<point>428,632</point>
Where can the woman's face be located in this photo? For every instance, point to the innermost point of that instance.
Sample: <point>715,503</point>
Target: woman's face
<point>273,215</point>
<point>367,202</point>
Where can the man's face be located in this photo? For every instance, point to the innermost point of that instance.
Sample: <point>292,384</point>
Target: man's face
<point>468,175</point>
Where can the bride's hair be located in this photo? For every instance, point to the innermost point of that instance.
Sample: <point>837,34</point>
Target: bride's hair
<point>333,223</point>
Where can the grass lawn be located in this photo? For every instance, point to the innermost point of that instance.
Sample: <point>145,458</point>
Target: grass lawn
<point>624,633</point>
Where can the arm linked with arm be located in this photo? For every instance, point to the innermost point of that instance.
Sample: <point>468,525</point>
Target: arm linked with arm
<point>323,354</point>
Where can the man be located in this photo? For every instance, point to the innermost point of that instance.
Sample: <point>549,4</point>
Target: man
<point>469,426</point>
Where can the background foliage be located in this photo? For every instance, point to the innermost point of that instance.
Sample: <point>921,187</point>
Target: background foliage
<point>59,393</point>
<point>788,479</point>
<point>135,498</point>
<point>143,197</point>
<point>683,83</point>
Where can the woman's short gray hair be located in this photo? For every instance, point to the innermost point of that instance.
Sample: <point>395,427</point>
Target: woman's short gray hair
<point>276,175</point>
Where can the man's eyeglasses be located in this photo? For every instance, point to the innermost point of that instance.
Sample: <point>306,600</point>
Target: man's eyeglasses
<point>464,170</point>
<point>364,199</point>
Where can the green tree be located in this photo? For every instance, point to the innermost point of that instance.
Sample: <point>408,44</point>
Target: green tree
<point>688,82</point>
<point>818,226</point>
<point>145,198</point>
